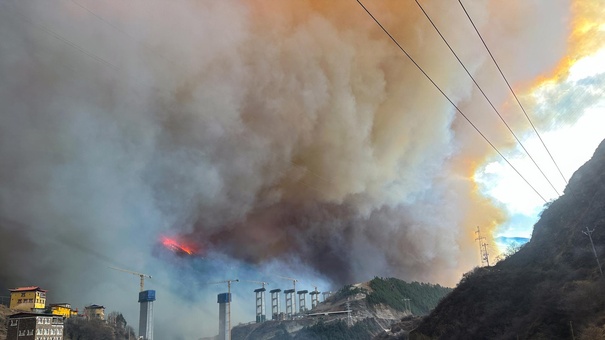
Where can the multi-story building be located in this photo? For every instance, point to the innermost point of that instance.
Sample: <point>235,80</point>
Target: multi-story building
<point>28,298</point>
<point>34,326</point>
<point>94,312</point>
<point>63,309</point>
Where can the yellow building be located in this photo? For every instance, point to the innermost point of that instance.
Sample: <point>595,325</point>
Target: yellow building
<point>28,298</point>
<point>63,309</point>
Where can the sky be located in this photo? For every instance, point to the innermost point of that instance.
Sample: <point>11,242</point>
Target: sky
<point>573,142</point>
<point>288,139</point>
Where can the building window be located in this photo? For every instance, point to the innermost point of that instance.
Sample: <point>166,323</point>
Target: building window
<point>13,322</point>
<point>22,294</point>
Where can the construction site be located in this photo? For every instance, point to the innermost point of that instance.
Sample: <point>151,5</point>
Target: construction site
<point>294,304</point>
<point>365,309</point>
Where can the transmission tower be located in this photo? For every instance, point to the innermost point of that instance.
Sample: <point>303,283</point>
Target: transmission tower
<point>588,233</point>
<point>407,306</point>
<point>482,248</point>
<point>349,316</point>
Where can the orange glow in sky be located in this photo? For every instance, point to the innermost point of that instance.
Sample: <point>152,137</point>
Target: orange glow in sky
<point>586,34</point>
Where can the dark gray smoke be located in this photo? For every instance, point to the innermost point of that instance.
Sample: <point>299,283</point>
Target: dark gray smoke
<point>284,138</point>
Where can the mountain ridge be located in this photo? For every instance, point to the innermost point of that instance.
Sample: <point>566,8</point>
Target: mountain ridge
<point>551,288</point>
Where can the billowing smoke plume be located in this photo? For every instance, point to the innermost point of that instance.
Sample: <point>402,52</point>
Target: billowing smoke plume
<point>275,135</point>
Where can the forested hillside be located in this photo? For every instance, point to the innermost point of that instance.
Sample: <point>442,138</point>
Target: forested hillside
<point>551,288</point>
<point>423,297</point>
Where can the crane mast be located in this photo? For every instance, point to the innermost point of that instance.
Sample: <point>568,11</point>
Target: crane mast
<point>227,304</point>
<point>146,298</point>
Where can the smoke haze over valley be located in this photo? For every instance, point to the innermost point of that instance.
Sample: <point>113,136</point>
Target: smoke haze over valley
<point>276,138</point>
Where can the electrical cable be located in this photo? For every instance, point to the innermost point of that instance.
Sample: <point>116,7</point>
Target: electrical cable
<point>486,98</point>
<point>448,98</point>
<point>66,41</point>
<point>146,46</point>
<point>511,90</point>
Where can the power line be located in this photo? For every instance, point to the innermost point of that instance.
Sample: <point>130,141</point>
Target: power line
<point>486,98</point>
<point>512,91</point>
<point>116,68</point>
<point>82,50</point>
<point>66,41</point>
<point>448,99</point>
<point>145,45</point>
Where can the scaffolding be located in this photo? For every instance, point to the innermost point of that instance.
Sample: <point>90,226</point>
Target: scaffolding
<point>275,303</point>
<point>289,303</point>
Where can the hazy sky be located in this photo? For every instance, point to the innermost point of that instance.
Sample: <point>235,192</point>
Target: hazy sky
<point>286,138</point>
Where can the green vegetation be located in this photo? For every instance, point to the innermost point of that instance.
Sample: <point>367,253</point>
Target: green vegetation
<point>346,291</point>
<point>392,292</point>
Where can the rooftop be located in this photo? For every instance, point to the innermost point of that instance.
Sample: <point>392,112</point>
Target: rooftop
<point>28,314</point>
<point>27,289</point>
<point>94,307</point>
<point>62,304</point>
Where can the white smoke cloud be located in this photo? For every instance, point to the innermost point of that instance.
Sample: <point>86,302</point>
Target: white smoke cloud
<point>278,136</point>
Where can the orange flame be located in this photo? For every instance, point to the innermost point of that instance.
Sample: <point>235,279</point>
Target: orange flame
<point>176,246</point>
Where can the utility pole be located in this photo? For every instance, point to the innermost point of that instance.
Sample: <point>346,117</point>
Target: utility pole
<point>482,248</point>
<point>588,233</point>
<point>485,254</point>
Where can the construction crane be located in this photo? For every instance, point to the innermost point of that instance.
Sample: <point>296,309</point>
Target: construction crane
<point>260,282</point>
<point>291,279</point>
<point>141,275</point>
<point>228,282</point>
